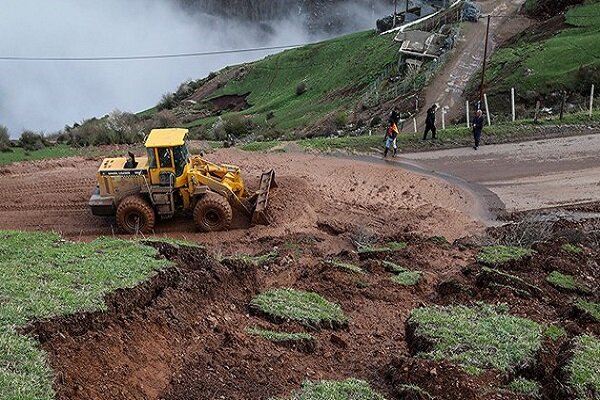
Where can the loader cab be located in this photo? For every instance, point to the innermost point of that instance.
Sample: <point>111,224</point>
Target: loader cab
<point>168,157</point>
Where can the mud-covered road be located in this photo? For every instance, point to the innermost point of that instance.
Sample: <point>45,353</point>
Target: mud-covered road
<point>315,193</point>
<point>529,175</point>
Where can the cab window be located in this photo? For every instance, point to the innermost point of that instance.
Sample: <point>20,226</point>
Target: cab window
<point>181,156</point>
<point>151,158</point>
<point>164,156</point>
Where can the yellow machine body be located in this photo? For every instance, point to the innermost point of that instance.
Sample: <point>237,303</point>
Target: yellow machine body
<point>169,180</point>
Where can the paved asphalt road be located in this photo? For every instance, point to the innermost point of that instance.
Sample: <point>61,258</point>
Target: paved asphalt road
<point>527,175</point>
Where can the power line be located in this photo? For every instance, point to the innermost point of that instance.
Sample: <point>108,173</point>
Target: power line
<point>151,57</point>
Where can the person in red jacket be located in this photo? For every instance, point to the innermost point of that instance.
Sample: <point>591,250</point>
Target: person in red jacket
<point>391,137</point>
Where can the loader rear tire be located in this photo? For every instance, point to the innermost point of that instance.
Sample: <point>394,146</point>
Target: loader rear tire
<point>213,213</point>
<point>135,215</point>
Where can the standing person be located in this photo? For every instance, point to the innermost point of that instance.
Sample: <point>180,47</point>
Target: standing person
<point>477,128</point>
<point>394,116</point>
<point>391,137</point>
<point>430,122</point>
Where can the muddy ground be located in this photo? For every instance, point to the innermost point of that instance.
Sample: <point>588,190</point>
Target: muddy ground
<point>315,194</point>
<point>182,334</point>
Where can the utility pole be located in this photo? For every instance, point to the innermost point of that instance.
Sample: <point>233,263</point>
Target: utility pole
<point>395,11</point>
<point>485,51</point>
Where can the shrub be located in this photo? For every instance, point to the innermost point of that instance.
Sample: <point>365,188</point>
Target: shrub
<point>4,139</point>
<point>300,88</point>
<point>340,119</point>
<point>237,125</point>
<point>32,141</point>
<point>167,102</point>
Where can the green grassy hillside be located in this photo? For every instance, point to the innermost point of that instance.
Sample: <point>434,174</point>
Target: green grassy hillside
<point>293,90</point>
<point>547,61</point>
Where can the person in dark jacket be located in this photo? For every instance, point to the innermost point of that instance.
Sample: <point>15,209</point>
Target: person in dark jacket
<point>430,122</point>
<point>394,116</point>
<point>477,128</point>
<point>391,137</point>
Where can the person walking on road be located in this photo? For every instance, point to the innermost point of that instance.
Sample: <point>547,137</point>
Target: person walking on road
<point>391,137</point>
<point>477,128</point>
<point>430,122</point>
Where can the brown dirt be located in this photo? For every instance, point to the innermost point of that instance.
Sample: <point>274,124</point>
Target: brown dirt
<point>313,190</point>
<point>182,334</point>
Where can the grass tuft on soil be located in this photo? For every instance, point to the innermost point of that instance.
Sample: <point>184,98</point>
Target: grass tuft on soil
<point>572,248</point>
<point>279,337</point>
<point>554,332</point>
<point>393,267</point>
<point>565,282</point>
<point>476,338</point>
<point>354,389</point>
<point>347,266</point>
<point>387,248</point>
<point>589,308</point>
<point>584,368</point>
<point>407,278</point>
<point>45,276</point>
<point>525,386</point>
<point>495,255</point>
<point>307,308</point>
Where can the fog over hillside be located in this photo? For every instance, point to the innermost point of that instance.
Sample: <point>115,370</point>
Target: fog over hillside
<point>47,95</point>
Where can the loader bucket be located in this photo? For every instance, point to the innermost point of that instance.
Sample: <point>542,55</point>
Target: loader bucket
<point>267,182</point>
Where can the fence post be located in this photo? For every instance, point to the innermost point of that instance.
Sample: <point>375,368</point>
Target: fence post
<point>487,109</point>
<point>592,101</point>
<point>415,124</point>
<point>468,119</point>
<point>443,119</point>
<point>562,104</point>
<point>512,102</point>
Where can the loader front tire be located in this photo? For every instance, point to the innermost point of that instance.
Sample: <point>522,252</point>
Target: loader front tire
<point>135,215</point>
<point>213,213</point>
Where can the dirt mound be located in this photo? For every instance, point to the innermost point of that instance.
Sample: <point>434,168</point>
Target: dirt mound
<point>314,192</point>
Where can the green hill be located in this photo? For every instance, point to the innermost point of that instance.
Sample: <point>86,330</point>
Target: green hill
<point>561,54</point>
<point>294,90</point>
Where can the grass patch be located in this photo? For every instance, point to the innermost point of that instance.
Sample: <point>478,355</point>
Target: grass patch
<point>584,368</point>
<point>393,267</point>
<point>413,392</point>
<point>525,65</point>
<point>525,386</point>
<point>353,389</point>
<point>476,338</point>
<point>347,266</point>
<point>19,154</point>
<point>571,248</point>
<point>554,332</point>
<point>260,146</point>
<point>279,337</point>
<point>255,261</point>
<point>44,276</point>
<point>307,308</point>
<point>589,308</point>
<point>387,248</point>
<point>566,282</point>
<point>407,278</point>
<point>495,255</point>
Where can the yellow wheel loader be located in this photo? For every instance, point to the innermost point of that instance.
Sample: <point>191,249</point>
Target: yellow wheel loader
<point>139,190</point>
